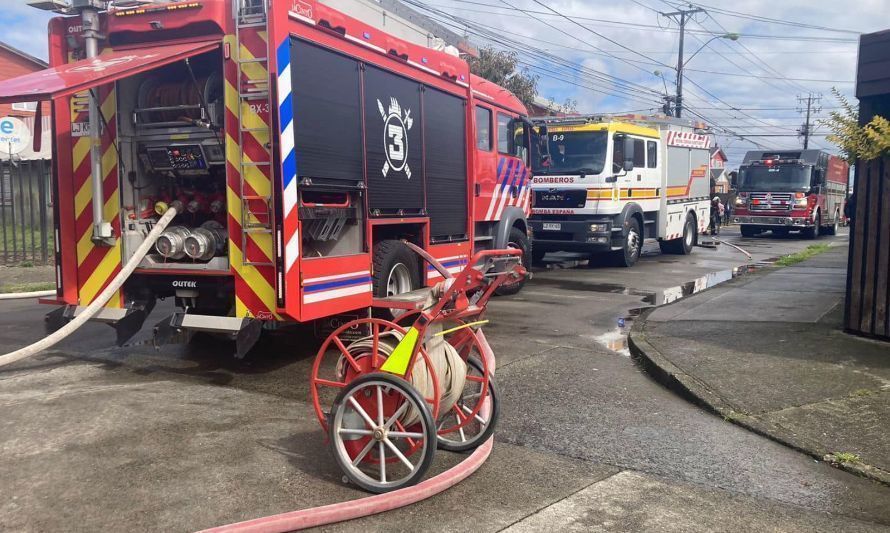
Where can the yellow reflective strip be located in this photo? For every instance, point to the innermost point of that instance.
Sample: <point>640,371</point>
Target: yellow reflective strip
<point>462,326</point>
<point>82,198</point>
<point>103,271</point>
<point>397,363</point>
<point>254,71</point>
<point>84,245</point>
<point>80,151</point>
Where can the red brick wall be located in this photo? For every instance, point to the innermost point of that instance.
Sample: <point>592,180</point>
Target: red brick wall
<point>11,66</point>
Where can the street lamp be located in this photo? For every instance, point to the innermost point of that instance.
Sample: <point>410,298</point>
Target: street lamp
<point>681,64</point>
<point>668,99</point>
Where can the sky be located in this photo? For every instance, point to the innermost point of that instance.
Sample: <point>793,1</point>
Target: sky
<point>604,54</point>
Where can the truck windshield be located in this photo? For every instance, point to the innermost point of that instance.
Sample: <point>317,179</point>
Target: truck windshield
<point>574,152</point>
<point>791,178</point>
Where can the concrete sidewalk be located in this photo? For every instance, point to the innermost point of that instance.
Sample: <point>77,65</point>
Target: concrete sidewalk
<point>767,351</point>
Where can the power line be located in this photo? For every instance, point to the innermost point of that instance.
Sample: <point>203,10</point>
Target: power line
<point>772,37</point>
<point>761,18</point>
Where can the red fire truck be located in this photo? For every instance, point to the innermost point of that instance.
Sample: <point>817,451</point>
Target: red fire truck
<point>791,190</point>
<point>300,147</point>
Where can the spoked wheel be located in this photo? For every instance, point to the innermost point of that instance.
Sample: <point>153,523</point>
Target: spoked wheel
<point>340,361</point>
<point>473,418</point>
<point>370,443</point>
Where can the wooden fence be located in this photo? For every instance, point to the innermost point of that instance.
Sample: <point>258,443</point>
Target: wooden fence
<point>868,291</point>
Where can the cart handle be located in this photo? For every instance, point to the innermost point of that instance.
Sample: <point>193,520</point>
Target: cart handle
<point>429,259</point>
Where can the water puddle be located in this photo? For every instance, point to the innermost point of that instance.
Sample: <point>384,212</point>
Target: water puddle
<point>616,338</point>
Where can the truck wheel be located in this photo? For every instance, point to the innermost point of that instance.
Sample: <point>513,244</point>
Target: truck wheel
<point>813,231</point>
<point>632,245</point>
<point>518,239</point>
<point>748,231</point>
<point>832,229</point>
<point>683,245</point>
<point>395,269</point>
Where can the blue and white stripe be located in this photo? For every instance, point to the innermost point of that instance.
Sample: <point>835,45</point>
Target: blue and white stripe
<point>453,264</point>
<point>338,286</point>
<point>288,156</point>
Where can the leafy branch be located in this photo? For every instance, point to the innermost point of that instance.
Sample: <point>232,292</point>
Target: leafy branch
<point>867,142</point>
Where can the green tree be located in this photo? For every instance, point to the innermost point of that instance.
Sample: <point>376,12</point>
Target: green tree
<point>503,68</point>
<point>867,142</point>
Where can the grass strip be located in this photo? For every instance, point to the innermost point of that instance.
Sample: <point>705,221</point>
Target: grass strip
<point>803,255</point>
<point>28,287</point>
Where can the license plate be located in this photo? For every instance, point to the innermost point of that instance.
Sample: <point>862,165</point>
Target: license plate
<point>552,226</point>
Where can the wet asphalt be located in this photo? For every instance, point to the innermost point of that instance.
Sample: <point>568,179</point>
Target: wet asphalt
<point>575,407</point>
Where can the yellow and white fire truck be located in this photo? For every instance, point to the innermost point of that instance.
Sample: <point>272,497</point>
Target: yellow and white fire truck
<point>604,184</point>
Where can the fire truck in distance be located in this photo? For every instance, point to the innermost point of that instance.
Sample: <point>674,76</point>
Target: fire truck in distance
<point>791,190</point>
<point>300,147</point>
<point>604,184</point>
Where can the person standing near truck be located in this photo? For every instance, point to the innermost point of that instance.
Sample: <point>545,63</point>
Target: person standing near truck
<point>716,215</point>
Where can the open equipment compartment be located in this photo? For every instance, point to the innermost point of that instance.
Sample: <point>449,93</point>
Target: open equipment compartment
<point>172,154</point>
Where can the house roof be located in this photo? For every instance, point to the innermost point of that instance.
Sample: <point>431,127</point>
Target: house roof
<point>11,49</point>
<point>715,149</point>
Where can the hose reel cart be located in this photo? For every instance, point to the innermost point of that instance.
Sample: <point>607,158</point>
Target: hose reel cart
<point>389,392</point>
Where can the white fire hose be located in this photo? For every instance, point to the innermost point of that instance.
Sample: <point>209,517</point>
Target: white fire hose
<point>23,295</point>
<point>96,305</point>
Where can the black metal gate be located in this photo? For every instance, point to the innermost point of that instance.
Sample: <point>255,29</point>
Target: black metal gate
<point>26,226</point>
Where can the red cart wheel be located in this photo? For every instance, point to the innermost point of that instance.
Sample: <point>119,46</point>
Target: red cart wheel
<point>357,359</point>
<point>368,444</point>
<point>465,426</point>
<point>459,429</point>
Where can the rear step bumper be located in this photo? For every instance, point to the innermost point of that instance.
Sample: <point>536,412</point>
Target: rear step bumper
<point>126,321</point>
<point>177,327</point>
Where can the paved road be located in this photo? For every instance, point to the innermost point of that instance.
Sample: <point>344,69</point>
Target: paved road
<point>93,437</point>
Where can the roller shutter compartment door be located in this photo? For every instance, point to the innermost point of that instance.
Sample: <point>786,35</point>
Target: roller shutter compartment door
<point>327,113</point>
<point>393,143</point>
<point>445,145</point>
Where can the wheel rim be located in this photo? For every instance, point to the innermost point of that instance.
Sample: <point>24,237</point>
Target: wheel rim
<point>687,234</point>
<point>368,437</point>
<point>399,280</point>
<point>633,242</point>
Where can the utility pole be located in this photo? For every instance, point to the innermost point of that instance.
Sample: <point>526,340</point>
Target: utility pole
<point>812,108</point>
<point>681,17</point>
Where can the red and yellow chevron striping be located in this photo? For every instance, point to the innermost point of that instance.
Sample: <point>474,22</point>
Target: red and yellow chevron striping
<point>254,284</point>
<point>96,264</point>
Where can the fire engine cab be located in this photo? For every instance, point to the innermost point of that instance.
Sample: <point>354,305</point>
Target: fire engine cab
<point>299,147</point>
<point>791,190</point>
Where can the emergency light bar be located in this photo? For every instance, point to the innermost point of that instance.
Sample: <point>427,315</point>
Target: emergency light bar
<point>770,162</point>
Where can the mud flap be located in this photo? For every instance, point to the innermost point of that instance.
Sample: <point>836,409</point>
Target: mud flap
<point>54,320</point>
<point>167,331</point>
<point>180,326</point>
<point>132,322</point>
<point>247,337</point>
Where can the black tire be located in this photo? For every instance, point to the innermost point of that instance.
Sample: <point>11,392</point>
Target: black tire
<point>388,255</point>
<point>685,244</point>
<point>517,239</point>
<point>630,252</point>
<point>813,231</point>
<point>832,229</point>
<point>408,391</point>
<point>748,231</point>
<point>474,441</point>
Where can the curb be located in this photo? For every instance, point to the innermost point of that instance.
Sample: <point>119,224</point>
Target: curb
<point>697,392</point>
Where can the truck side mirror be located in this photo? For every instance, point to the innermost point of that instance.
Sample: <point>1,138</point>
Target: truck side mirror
<point>628,154</point>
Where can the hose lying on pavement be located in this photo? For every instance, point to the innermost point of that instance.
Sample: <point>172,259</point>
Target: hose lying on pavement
<point>22,295</point>
<point>367,506</point>
<point>100,300</point>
